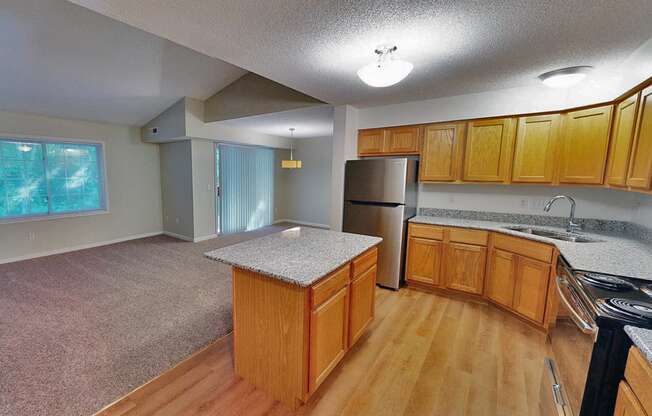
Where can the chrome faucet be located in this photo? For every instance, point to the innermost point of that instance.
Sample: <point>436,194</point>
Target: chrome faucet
<point>572,227</point>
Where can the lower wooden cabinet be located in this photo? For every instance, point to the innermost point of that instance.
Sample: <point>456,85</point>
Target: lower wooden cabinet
<point>424,261</point>
<point>627,404</point>
<point>464,267</point>
<point>531,289</point>
<point>362,305</point>
<point>502,277</point>
<point>328,337</point>
<point>509,271</point>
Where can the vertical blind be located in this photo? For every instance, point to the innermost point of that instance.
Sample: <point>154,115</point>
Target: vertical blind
<point>246,187</point>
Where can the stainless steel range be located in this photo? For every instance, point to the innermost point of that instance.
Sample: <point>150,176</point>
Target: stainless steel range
<point>590,348</point>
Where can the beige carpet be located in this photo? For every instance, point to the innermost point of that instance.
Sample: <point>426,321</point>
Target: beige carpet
<point>81,329</point>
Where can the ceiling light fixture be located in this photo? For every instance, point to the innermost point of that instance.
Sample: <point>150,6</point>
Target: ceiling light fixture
<point>565,77</point>
<point>386,70</point>
<point>291,164</point>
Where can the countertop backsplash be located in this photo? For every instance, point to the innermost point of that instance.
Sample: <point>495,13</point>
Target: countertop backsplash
<point>634,230</point>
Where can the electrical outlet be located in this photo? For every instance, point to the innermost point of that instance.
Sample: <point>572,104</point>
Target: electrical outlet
<point>31,236</point>
<point>451,198</point>
<point>524,203</point>
<point>537,204</point>
<point>176,220</point>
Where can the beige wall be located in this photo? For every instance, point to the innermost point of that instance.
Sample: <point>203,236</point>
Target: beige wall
<point>307,190</point>
<point>203,188</point>
<point>134,189</point>
<point>177,189</point>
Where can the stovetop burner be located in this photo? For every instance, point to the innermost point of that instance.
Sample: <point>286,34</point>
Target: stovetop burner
<point>608,282</point>
<point>628,307</point>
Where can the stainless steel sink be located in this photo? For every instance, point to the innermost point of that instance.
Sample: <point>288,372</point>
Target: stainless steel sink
<point>557,235</point>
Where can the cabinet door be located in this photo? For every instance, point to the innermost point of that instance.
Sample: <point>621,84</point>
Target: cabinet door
<point>501,278</point>
<point>640,167</point>
<point>361,309</point>
<point>464,270</point>
<point>424,261</point>
<point>488,150</point>
<point>403,140</point>
<point>531,290</point>
<point>371,142</point>
<point>535,149</point>
<point>627,404</point>
<point>440,156</point>
<point>328,337</point>
<point>621,141</point>
<point>585,138</point>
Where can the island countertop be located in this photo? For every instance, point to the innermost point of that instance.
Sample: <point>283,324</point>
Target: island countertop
<point>299,255</point>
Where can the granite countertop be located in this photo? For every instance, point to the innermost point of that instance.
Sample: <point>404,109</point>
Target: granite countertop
<point>613,253</point>
<point>642,338</point>
<point>298,255</point>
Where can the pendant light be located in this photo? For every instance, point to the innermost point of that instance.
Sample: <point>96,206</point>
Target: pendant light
<point>291,164</point>
<point>386,70</point>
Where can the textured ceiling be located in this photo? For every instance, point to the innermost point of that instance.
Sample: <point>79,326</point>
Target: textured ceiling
<point>457,46</point>
<point>308,122</point>
<point>63,60</point>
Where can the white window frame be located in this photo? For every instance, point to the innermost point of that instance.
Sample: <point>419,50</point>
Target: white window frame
<point>61,140</point>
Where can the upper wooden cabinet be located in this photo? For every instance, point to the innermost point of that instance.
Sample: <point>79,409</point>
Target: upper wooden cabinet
<point>585,139</point>
<point>621,141</point>
<point>535,149</point>
<point>389,141</point>
<point>488,150</point>
<point>440,155</point>
<point>640,167</point>
<point>371,142</point>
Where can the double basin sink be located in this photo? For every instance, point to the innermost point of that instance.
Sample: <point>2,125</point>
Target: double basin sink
<point>557,235</point>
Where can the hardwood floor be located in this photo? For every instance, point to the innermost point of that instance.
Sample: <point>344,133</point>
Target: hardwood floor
<point>423,355</point>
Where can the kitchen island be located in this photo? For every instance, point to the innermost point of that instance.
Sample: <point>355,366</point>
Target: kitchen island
<point>301,299</point>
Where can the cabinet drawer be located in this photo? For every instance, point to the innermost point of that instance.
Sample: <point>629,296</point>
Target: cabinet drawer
<point>329,286</point>
<point>638,374</point>
<point>364,262</point>
<point>523,247</point>
<point>466,236</point>
<point>427,231</point>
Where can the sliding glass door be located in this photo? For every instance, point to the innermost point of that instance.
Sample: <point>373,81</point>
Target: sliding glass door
<point>246,187</point>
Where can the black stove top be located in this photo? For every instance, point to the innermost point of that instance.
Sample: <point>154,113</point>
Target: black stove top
<point>617,299</point>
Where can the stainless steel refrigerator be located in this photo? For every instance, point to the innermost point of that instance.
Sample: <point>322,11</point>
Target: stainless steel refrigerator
<point>380,195</point>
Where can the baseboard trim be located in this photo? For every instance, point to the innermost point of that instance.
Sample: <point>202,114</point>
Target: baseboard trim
<point>179,236</point>
<point>79,247</point>
<point>204,238</point>
<point>309,224</point>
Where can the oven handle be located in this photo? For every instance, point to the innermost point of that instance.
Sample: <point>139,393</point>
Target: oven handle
<point>572,306</point>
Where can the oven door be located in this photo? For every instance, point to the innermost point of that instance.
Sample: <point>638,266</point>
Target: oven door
<point>572,338</point>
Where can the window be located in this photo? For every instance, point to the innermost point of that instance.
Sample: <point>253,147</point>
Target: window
<point>43,178</point>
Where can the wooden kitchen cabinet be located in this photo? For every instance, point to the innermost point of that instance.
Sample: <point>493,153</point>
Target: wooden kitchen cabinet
<point>402,140</point>
<point>328,337</point>
<point>584,145</point>
<point>621,141</point>
<point>362,305</point>
<point>488,150</point>
<point>640,166</point>
<point>424,261</point>
<point>464,267</point>
<point>371,142</point>
<point>441,152</point>
<point>530,290</point>
<point>627,404</point>
<point>535,149</point>
<point>502,277</point>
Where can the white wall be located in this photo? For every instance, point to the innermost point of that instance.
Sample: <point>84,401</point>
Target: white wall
<point>203,188</point>
<point>177,188</point>
<point>345,144</point>
<point>307,190</point>
<point>133,180</point>
<point>591,202</point>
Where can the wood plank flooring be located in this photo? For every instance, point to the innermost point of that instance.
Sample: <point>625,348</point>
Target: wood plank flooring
<point>424,354</point>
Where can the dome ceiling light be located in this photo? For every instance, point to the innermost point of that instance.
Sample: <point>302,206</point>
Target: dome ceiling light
<point>565,77</point>
<point>386,70</point>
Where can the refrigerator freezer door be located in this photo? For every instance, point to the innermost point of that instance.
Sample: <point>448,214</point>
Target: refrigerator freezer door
<point>388,222</point>
<point>390,181</point>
